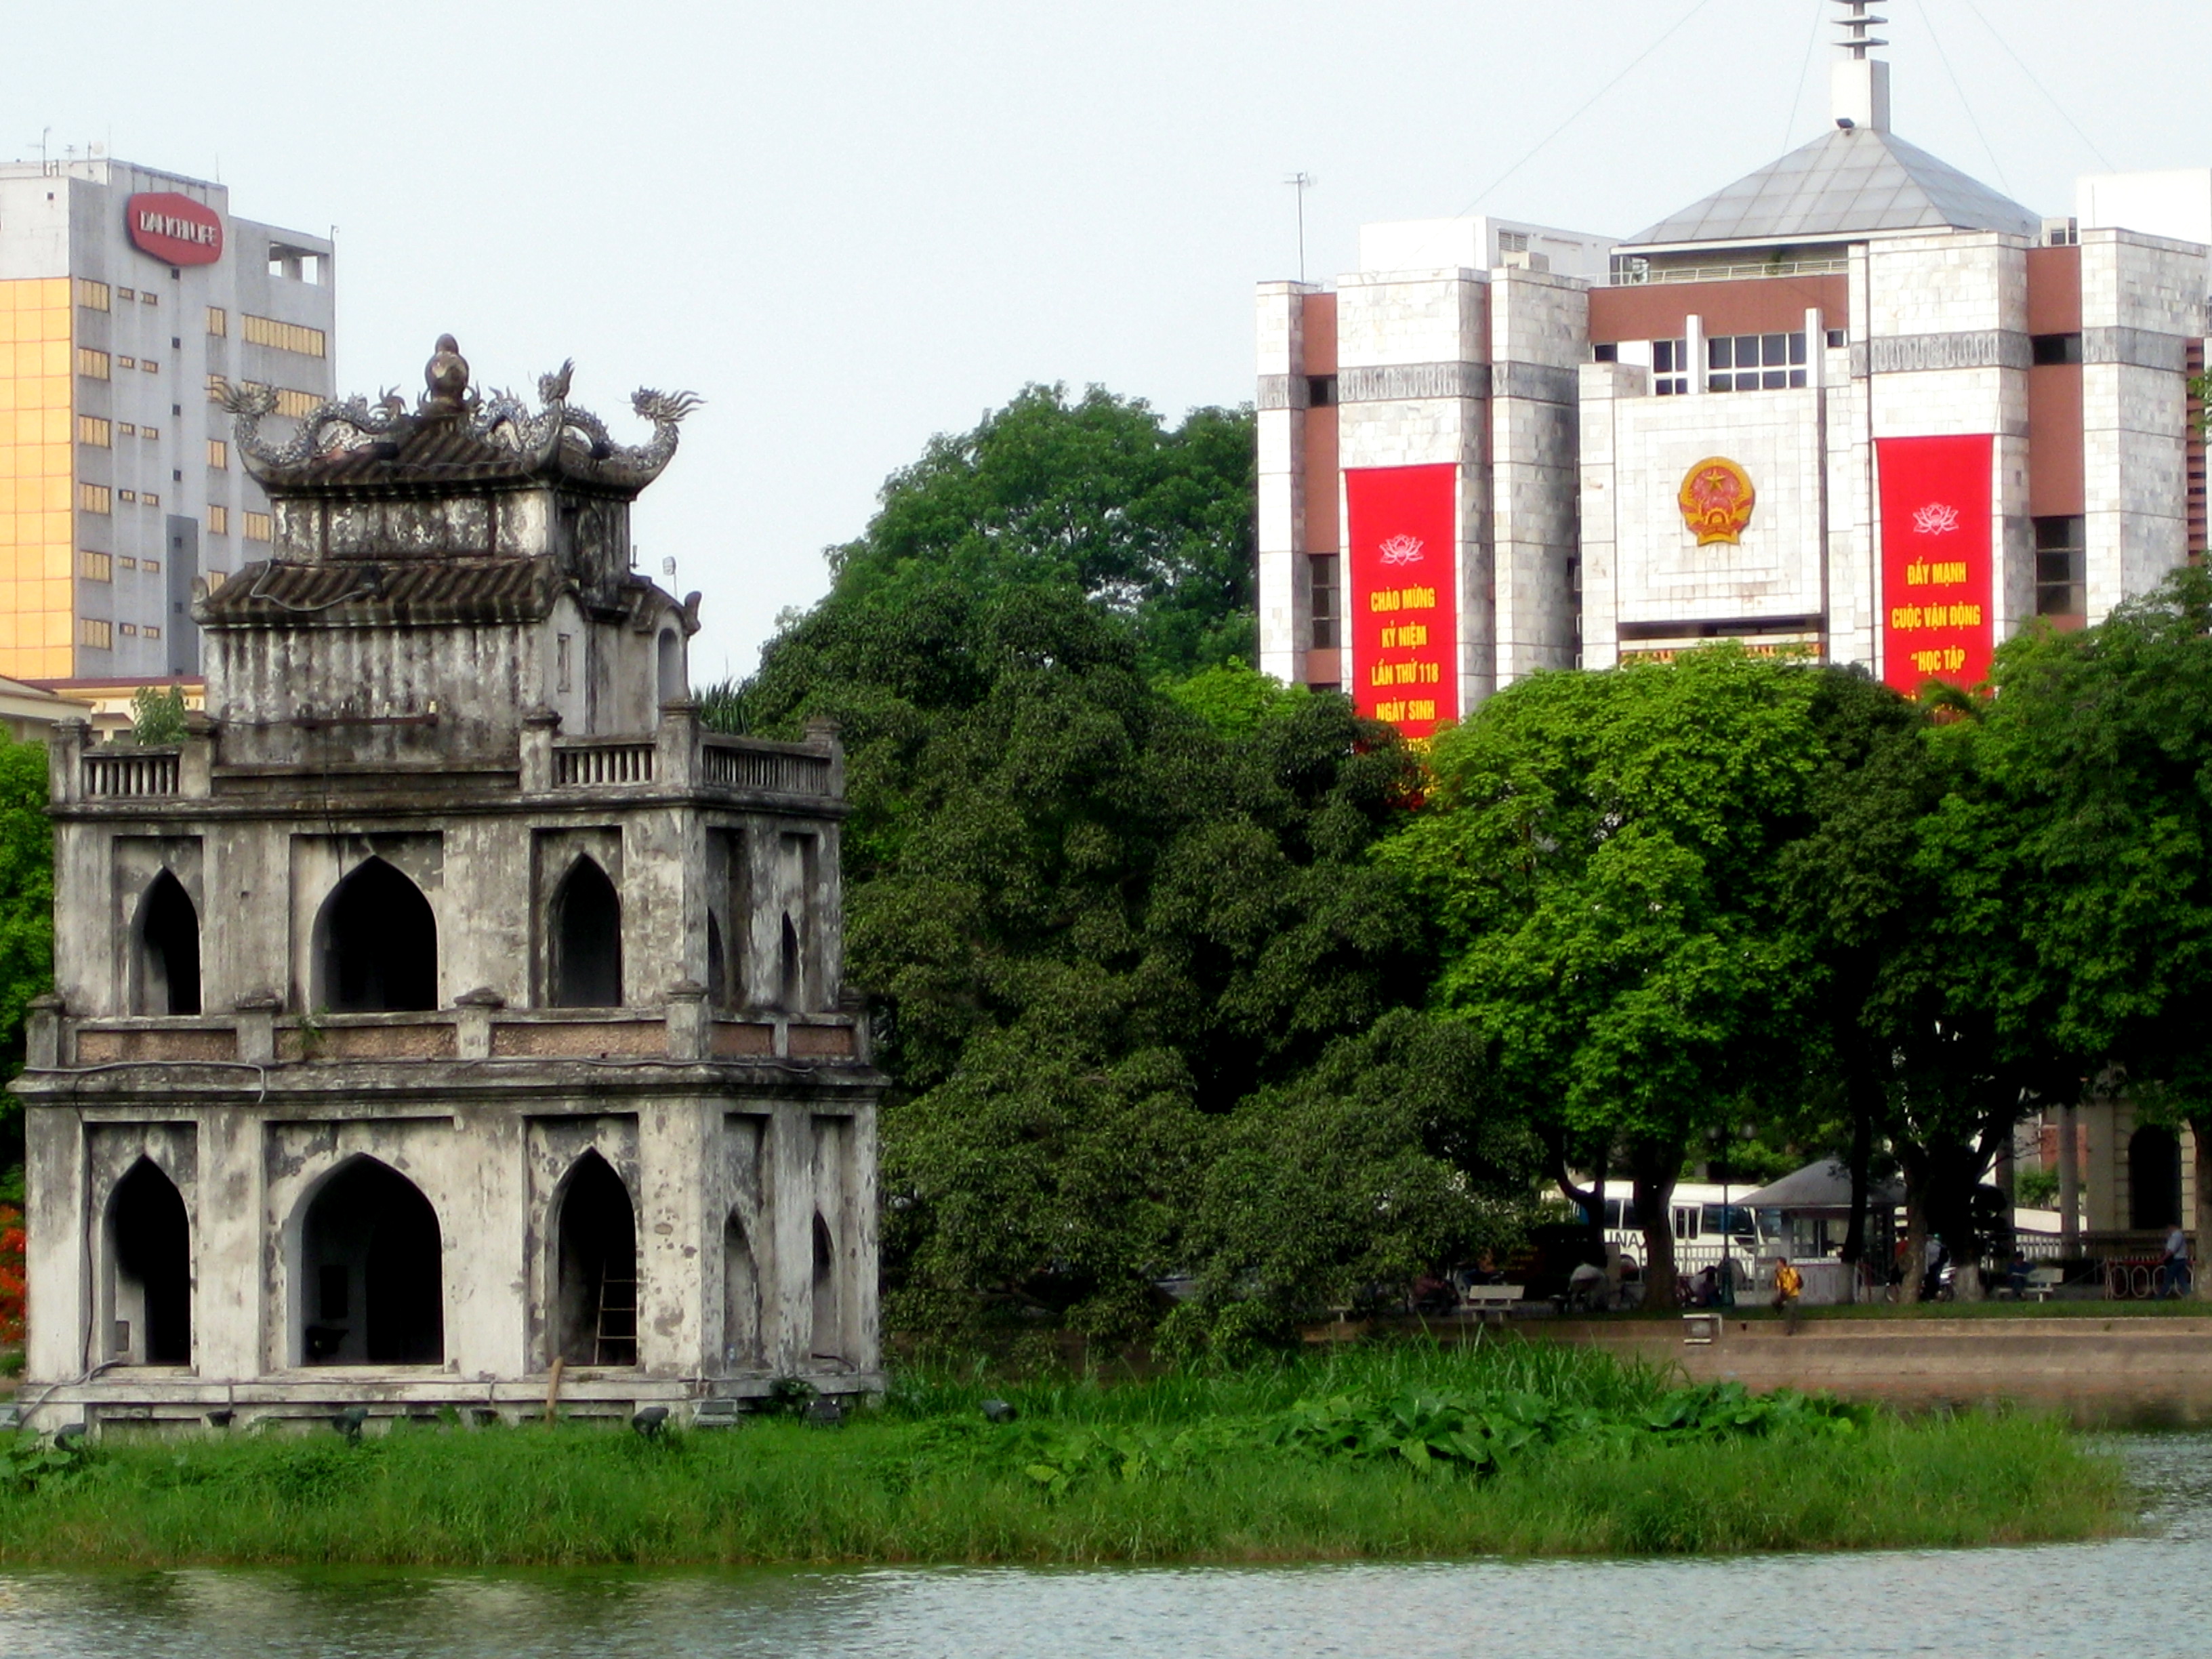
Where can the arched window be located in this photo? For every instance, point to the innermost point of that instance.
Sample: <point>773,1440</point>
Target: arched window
<point>595,1288</point>
<point>829,1336</point>
<point>587,966</point>
<point>149,1270</point>
<point>380,944</point>
<point>741,1310</point>
<point>166,977</point>
<point>372,1281</point>
<point>671,666</point>
<point>2154,1179</point>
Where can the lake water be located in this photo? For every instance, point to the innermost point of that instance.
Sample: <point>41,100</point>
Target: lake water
<point>2138,1598</point>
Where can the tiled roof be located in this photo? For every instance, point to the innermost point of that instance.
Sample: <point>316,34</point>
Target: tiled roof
<point>1851,180</point>
<point>355,592</point>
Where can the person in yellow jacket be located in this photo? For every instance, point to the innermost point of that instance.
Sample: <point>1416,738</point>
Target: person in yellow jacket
<point>1789,1284</point>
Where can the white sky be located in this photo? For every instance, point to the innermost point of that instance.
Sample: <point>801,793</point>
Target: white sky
<point>849,225</point>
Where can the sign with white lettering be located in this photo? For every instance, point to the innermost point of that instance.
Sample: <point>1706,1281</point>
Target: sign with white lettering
<point>175,229</point>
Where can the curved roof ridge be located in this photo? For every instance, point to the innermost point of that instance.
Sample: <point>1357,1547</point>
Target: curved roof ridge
<point>1852,179</point>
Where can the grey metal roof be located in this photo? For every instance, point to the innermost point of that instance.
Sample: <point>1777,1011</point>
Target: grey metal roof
<point>1826,1185</point>
<point>1855,180</point>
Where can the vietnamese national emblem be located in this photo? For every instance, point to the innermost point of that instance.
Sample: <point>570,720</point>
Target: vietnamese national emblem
<point>1717,499</point>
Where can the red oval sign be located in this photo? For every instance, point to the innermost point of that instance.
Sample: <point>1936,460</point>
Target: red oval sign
<point>175,228</point>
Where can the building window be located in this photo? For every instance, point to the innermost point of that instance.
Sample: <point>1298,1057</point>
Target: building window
<point>92,364</point>
<point>91,429</point>
<point>2049,349</point>
<point>129,631</point>
<point>93,498</point>
<point>258,527</point>
<point>148,297</point>
<point>92,631</point>
<point>1755,363</point>
<point>284,336</point>
<point>128,494</point>
<point>2060,545</point>
<point>126,293</point>
<point>149,431</point>
<point>126,362</point>
<point>151,631</point>
<point>296,406</point>
<point>215,384</point>
<point>151,566</point>
<point>1670,368</point>
<point>1605,351</point>
<point>95,566</point>
<point>218,321</point>
<point>218,521</point>
<point>1320,391</point>
<point>1512,241</point>
<point>127,562</point>
<point>92,295</point>
<point>218,454</point>
<point>148,366</point>
<point>126,428</point>
<point>1323,568</point>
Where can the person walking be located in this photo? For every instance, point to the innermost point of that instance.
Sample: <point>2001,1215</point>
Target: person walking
<point>2174,1271</point>
<point>1789,1285</point>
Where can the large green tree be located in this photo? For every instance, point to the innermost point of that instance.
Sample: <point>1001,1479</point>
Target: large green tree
<point>1152,522</point>
<point>1094,919</point>
<point>1601,853</point>
<point>27,924</point>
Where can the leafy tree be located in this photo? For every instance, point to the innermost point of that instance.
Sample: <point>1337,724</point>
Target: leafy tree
<point>1601,853</point>
<point>1154,523</point>
<point>2073,848</point>
<point>1093,924</point>
<point>27,925</point>
<point>157,715</point>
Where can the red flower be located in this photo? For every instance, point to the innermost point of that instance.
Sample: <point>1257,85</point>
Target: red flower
<point>12,1284</point>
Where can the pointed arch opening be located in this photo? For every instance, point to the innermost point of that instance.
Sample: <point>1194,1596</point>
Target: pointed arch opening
<point>150,1256</point>
<point>166,944</point>
<point>670,665</point>
<point>741,1298</point>
<point>586,934</point>
<point>595,1268</point>
<point>379,943</point>
<point>372,1280</point>
<point>829,1338</point>
<point>2154,1179</point>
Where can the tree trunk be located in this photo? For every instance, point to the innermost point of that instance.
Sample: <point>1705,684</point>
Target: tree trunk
<point>1863,1097</point>
<point>2199,1282</point>
<point>1916,1228</point>
<point>1654,1166</point>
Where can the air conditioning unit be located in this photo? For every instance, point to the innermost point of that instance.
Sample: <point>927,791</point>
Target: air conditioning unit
<point>1523,259</point>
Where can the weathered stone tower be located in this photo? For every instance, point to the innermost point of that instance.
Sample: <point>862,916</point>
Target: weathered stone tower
<point>446,1019</point>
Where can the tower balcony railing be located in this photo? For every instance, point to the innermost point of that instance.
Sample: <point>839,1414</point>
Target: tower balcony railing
<point>679,756</point>
<point>260,1035</point>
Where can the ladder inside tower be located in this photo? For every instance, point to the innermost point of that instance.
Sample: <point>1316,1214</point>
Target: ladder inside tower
<point>615,1338</point>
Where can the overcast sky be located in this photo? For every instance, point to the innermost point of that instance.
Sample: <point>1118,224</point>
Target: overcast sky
<point>849,225</point>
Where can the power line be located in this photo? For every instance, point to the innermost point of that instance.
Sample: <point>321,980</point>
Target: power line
<point>1671,33</point>
<point>1804,69</point>
<point>2051,96</point>
<point>1927,16</point>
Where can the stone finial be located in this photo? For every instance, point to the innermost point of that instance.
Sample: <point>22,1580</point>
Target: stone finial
<point>447,377</point>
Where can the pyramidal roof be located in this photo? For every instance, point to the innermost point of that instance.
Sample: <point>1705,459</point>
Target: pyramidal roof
<point>1853,181</point>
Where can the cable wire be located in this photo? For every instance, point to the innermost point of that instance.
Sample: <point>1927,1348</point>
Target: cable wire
<point>1927,16</point>
<point>1798,98</point>
<point>1541,143</point>
<point>2050,95</point>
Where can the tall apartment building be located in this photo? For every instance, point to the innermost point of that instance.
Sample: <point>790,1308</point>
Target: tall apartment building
<point>1856,405</point>
<point>125,293</point>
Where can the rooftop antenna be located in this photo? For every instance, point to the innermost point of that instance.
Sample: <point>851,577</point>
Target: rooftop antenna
<point>1858,86</point>
<point>1300,182</point>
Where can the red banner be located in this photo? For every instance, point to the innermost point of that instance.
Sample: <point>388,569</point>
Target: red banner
<point>1405,594</point>
<point>1937,534</point>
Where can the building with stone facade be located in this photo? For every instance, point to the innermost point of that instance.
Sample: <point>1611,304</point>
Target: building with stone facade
<point>448,1022</point>
<point>1855,406</point>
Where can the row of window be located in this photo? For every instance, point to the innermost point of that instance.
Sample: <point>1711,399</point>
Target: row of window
<point>284,336</point>
<point>98,296</point>
<point>101,567</point>
<point>101,499</point>
<point>96,432</point>
<point>1773,363</point>
<point>96,365</point>
<point>99,634</point>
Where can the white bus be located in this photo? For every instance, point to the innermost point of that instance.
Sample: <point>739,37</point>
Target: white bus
<point>1703,1213</point>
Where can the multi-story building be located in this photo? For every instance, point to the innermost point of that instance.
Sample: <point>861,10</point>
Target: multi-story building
<point>1855,404</point>
<point>125,293</point>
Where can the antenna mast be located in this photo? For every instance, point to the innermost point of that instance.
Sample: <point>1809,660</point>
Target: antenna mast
<point>1300,182</point>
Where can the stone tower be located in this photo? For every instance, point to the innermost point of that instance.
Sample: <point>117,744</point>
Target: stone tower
<point>446,1020</point>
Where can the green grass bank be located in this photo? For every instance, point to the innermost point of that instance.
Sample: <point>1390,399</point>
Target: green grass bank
<point>1408,1452</point>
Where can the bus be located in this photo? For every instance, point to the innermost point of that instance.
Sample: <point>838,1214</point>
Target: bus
<point>1706,1217</point>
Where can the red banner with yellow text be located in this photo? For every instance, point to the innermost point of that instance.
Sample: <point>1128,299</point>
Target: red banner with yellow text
<point>1937,541</point>
<point>1404,607</point>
